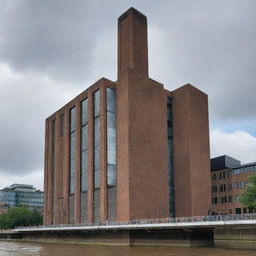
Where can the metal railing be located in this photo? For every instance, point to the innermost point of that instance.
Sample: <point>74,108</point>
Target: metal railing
<point>211,218</point>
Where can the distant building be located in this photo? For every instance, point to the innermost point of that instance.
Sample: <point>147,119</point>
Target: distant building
<point>128,149</point>
<point>22,195</point>
<point>228,180</point>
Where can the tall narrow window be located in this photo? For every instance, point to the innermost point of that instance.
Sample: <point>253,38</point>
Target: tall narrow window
<point>72,151</point>
<point>170,157</point>
<point>111,136</point>
<point>96,146</point>
<point>84,145</point>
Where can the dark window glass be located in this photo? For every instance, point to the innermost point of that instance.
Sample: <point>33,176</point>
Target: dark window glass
<point>72,119</point>
<point>72,163</point>
<point>72,151</point>
<point>84,145</point>
<point>96,130</point>
<point>170,157</point>
<point>238,210</point>
<point>111,137</point>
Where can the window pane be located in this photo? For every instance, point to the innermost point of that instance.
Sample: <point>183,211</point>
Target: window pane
<point>72,119</point>
<point>84,171</point>
<point>84,111</point>
<point>111,174</point>
<point>111,136</point>
<point>72,164</point>
<point>84,142</point>
<point>84,158</point>
<point>97,152</point>
<point>170,157</point>
<point>96,97</point>
<point>111,100</point>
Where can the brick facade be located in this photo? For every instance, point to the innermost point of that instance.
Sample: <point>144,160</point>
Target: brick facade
<point>142,187</point>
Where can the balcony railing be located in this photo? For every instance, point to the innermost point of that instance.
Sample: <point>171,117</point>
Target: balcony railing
<point>205,219</point>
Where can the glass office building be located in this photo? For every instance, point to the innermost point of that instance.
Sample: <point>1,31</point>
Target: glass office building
<point>22,195</point>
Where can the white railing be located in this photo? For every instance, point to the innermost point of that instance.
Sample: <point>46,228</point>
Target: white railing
<point>205,219</point>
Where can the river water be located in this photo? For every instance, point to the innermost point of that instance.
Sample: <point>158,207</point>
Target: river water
<point>53,249</point>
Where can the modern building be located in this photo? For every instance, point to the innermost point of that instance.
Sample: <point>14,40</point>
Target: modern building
<point>229,179</point>
<point>128,149</point>
<point>22,195</point>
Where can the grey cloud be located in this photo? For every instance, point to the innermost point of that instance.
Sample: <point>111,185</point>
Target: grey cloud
<point>53,37</point>
<point>25,103</point>
<point>60,47</point>
<point>210,44</point>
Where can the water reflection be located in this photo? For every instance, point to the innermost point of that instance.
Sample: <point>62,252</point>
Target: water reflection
<point>53,249</point>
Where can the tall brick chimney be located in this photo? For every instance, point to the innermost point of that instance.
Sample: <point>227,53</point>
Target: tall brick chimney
<point>132,43</point>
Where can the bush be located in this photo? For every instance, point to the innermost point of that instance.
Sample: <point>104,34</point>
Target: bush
<point>20,216</point>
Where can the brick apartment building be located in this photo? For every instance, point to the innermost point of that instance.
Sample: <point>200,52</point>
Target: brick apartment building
<point>128,149</point>
<point>229,179</point>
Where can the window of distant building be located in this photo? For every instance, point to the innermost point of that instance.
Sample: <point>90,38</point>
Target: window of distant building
<point>214,177</point>
<point>236,185</point>
<point>238,210</point>
<point>237,198</point>
<point>241,184</point>
<point>230,199</point>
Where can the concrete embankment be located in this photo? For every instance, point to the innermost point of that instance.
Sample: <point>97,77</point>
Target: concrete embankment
<point>235,237</point>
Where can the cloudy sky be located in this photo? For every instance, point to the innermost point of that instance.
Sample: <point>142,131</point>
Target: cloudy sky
<point>51,50</point>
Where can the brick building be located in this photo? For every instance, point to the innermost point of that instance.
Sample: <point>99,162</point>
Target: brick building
<point>128,149</point>
<point>229,179</point>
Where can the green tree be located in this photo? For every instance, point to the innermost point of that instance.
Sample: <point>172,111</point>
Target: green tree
<point>20,216</point>
<point>248,197</point>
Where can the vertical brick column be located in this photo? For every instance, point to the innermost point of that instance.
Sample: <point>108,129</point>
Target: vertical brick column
<point>56,177</point>
<point>50,183</point>
<point>90,156</point>
<point>46,175</point>
<point>78,164</point>
<point>103,155</point>
<point>60,173</point>
<point>66,168</point>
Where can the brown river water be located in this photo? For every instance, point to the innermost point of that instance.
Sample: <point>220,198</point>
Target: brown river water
<point>52,249</point>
